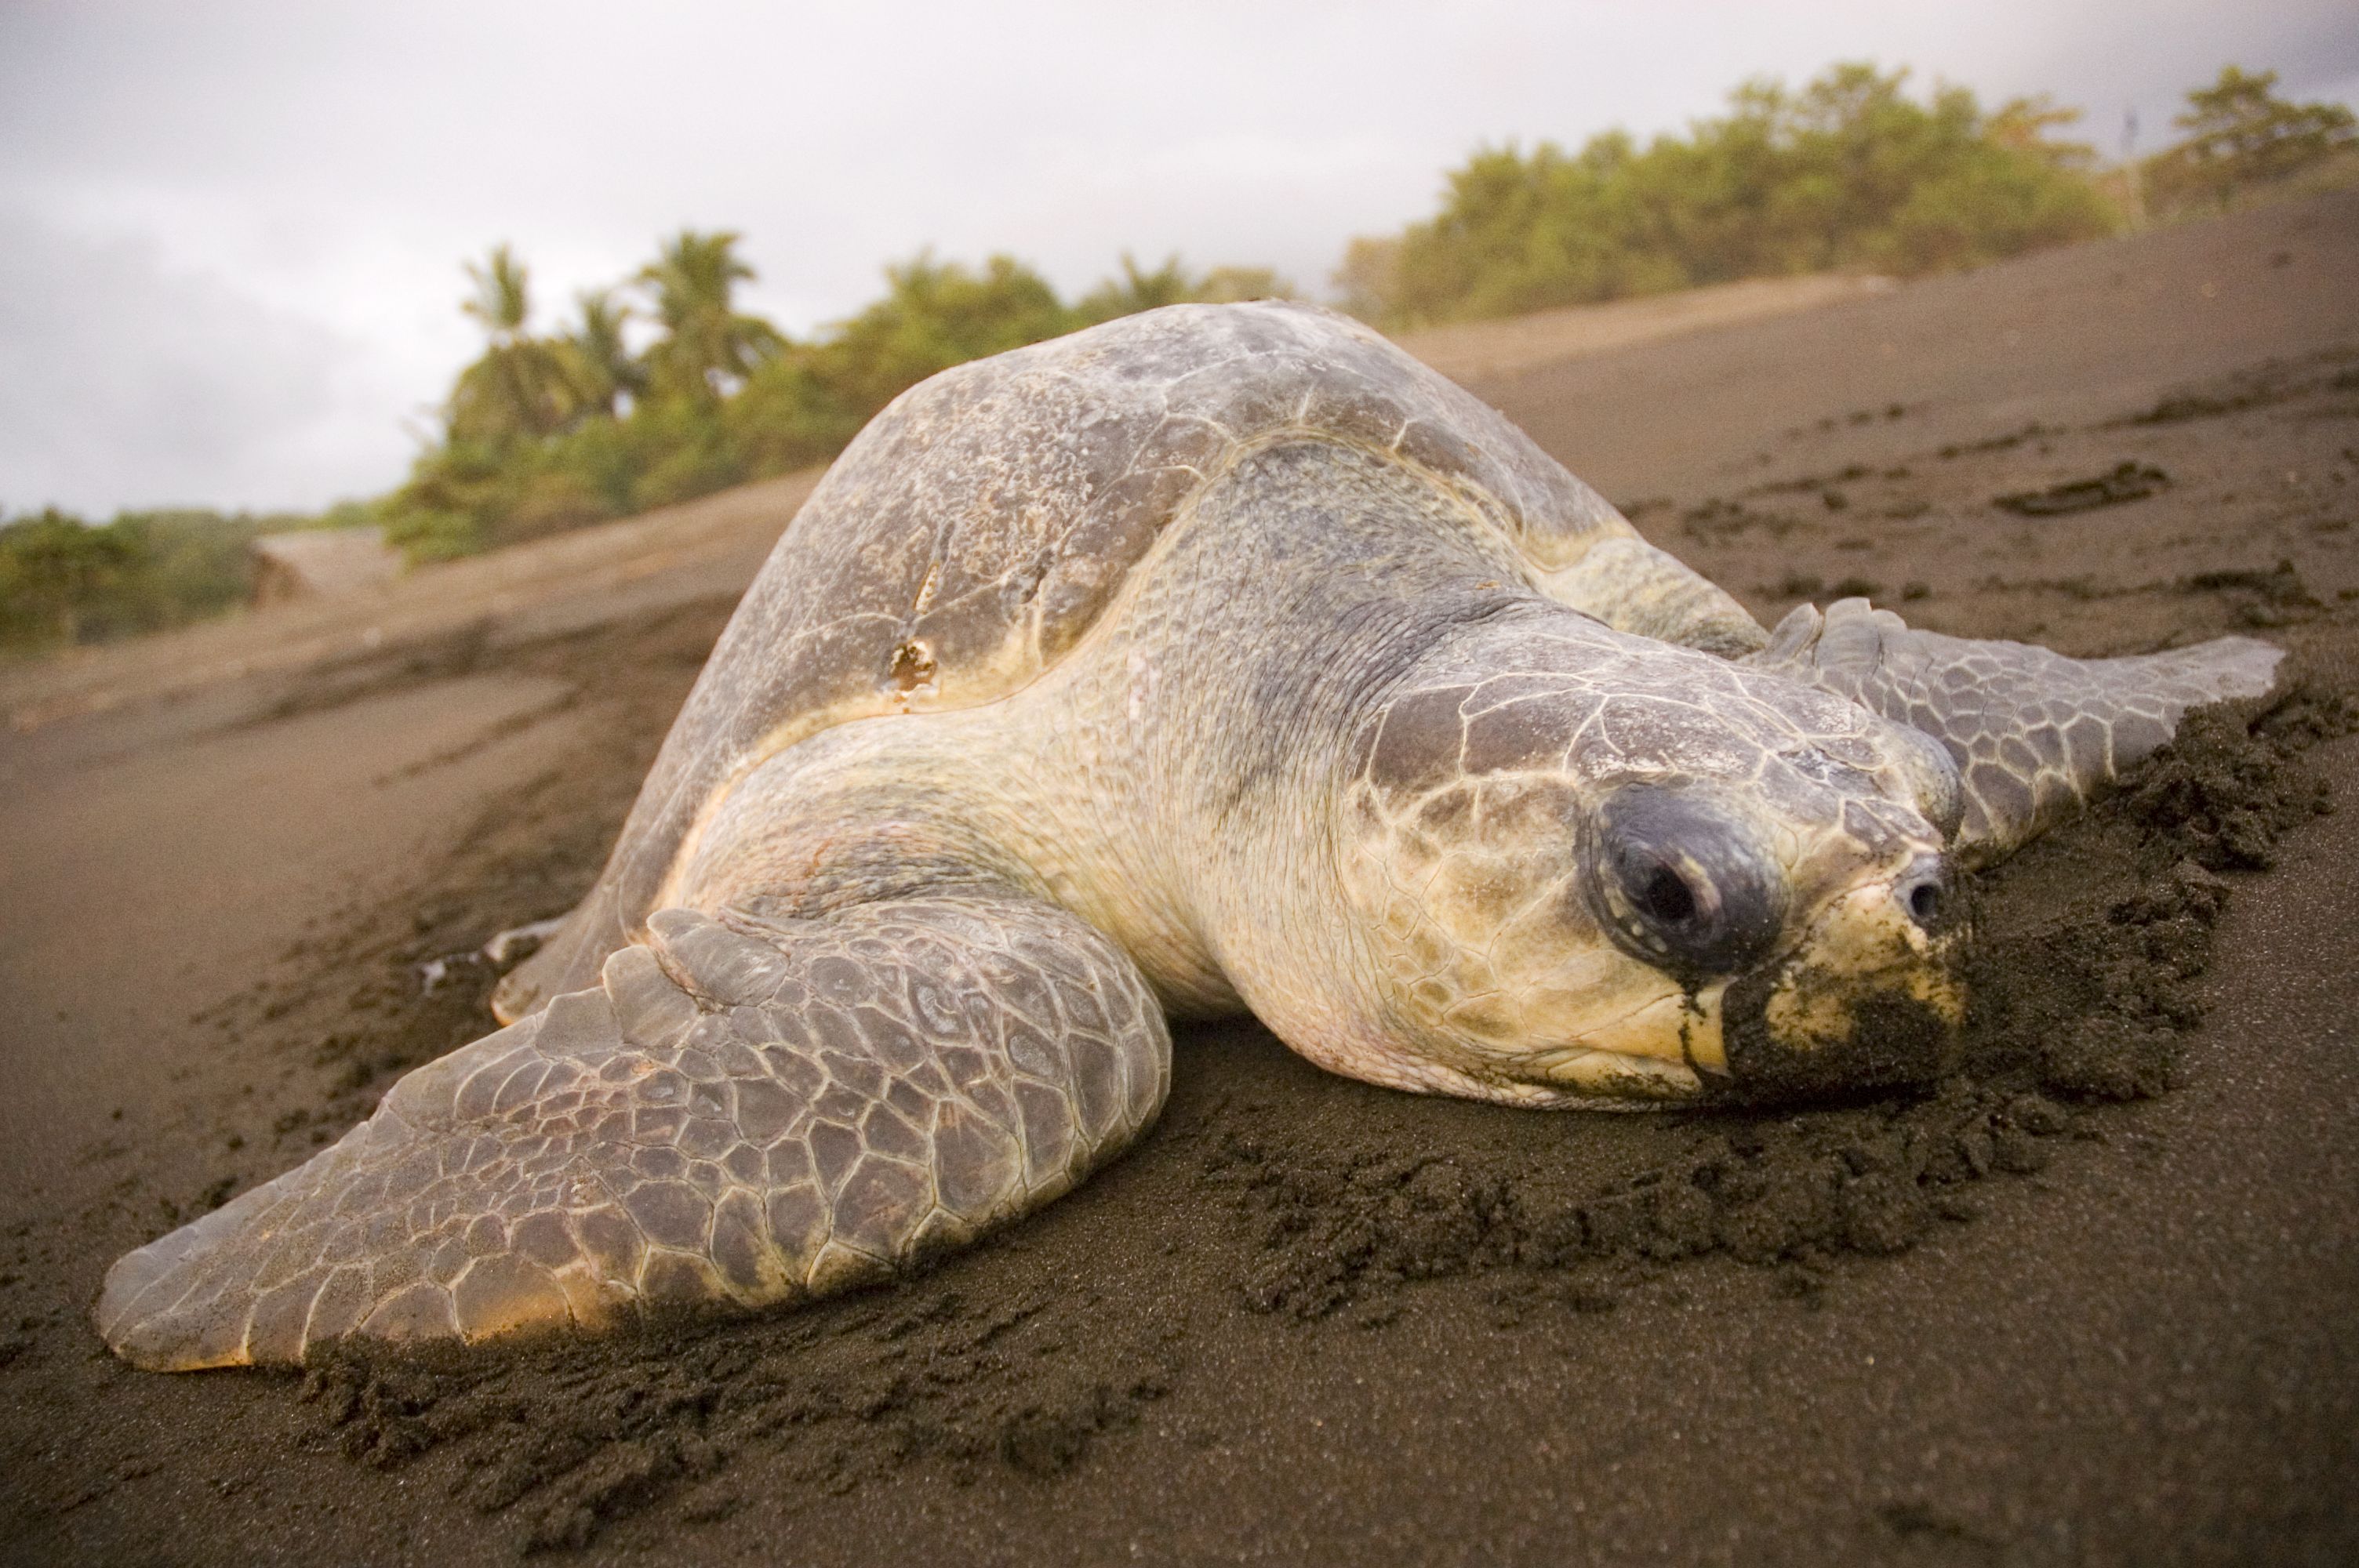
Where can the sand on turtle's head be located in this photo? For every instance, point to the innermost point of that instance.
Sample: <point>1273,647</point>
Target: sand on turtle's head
<point>1596,867</point>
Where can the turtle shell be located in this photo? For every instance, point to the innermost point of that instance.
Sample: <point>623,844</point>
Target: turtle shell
<point>984,521</point>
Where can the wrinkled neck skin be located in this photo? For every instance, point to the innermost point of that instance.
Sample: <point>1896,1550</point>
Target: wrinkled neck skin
<point>1315,582</point>
<point>1244,776</point>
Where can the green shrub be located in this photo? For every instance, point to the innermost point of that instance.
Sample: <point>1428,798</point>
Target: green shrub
<point>2241,138</point>
<point>935,315</point>
<point>64,581</point>
<point>788,418</point>
<point>683,451</point>
<point>1850,171</point>
<point>431,533</point>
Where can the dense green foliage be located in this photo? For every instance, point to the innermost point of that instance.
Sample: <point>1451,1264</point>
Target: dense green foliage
<point>542,434</point>
<point>64,581</point>
<point>2240,138</point>
<point>1849,171</point>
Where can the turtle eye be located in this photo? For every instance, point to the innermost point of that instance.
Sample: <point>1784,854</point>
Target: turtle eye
<point>1671,905</point>
<point>1665,898</point>
<point>1682,883</point>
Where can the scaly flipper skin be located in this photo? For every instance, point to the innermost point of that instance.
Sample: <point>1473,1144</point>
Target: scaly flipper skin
<point>741,1115</point>
<point>2034,734</point>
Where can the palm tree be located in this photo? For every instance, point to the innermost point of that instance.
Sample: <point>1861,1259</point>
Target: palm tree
<point>519,387</point>
<point>502,300</point>
<point>708,347</point>
<point>599,362</point>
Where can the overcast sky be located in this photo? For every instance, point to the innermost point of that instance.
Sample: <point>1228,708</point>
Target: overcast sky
<point>230,234</point>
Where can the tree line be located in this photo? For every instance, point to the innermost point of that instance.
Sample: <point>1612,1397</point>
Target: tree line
<point>660,387</point>
<point>546,432</point>
<point>1848,172</point>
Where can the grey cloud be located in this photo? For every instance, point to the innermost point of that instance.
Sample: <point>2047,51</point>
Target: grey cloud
<point>122,384</point>
<point>330,165</point>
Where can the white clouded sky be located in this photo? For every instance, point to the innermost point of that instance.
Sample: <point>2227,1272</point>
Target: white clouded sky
<point>230,233</point>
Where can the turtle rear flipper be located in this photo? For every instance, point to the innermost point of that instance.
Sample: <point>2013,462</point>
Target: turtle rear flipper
<point>570,950</point>
<point>737,1114</point>
<point>2034,734</point>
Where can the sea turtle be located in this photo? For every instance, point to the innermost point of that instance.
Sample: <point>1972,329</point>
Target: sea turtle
<point>1219,658</point>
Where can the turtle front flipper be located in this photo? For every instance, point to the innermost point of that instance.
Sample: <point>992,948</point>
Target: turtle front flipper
<point>737,1114</point>
<point>2034,734</point>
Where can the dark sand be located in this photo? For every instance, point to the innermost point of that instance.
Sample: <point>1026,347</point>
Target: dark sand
<point>2090,1302</point>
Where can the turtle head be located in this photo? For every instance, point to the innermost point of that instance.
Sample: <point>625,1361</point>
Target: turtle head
<point>1631,872</point>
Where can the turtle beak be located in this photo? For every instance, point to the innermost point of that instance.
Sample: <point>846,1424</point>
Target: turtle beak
<point>1872,997</point>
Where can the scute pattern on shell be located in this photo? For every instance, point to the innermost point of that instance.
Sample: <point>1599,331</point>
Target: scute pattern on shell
<point>980,526</point>
<point>727,1118</point>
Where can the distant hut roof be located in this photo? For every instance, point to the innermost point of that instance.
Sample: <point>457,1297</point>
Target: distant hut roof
<point>314,561</point>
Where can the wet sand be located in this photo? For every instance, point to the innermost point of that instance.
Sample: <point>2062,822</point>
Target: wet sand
<point>2089,1301</point>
